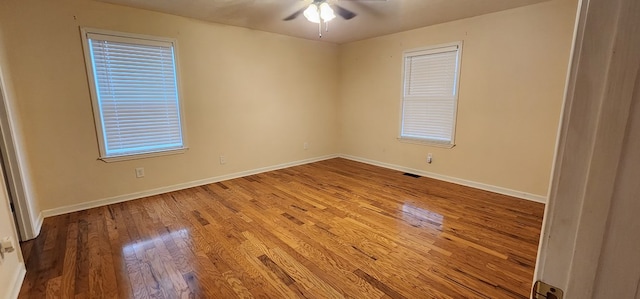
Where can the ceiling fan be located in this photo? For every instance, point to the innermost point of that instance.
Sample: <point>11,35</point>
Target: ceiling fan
<point>321,12</point>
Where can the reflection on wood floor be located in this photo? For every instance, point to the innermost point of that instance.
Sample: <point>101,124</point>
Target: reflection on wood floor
<point>331,229</point>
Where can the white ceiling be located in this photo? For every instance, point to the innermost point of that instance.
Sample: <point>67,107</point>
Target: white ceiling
<point>375,17</point>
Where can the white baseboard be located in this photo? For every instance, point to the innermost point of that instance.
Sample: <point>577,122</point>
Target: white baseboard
<point>137,195</point>
<point>16,283</point>
<point>34,228</point>
<point>38,225</point>
<point>477,185</point>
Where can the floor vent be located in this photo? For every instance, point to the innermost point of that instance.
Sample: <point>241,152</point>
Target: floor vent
<point>411,175</point>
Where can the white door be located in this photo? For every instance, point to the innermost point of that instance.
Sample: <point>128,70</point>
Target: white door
<point>590,244</point>
<point>12,269</point>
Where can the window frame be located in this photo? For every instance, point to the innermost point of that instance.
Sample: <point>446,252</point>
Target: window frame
<point>100,135</point>
<point>416,52</point>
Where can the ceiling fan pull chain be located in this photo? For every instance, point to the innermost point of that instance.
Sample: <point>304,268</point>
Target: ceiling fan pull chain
<point>320,29</point>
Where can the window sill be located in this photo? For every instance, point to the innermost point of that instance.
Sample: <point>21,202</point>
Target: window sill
<point>425,142</point>
<point>143,156</point>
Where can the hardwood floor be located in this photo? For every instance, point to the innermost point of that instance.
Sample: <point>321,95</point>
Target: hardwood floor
<point>331,229</point>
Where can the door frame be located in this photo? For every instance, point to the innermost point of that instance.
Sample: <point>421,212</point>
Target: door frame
<point>600,88</point>
<point>28,224</point>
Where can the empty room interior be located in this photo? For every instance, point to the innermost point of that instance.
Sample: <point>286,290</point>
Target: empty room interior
<point>238,149</point>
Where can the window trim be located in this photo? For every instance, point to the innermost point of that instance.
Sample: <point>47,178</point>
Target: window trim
<point>422,141</point>
<point>85,32</point>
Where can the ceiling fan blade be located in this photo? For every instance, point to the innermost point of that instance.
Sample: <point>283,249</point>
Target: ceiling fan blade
<point>343,12</point>
<point>294,15</point>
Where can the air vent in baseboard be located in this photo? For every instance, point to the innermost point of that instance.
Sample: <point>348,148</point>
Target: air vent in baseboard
<point>411,175</point>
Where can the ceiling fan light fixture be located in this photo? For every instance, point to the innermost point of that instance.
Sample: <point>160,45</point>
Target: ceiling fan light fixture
<point>326,12</point>
<point>312,13</point>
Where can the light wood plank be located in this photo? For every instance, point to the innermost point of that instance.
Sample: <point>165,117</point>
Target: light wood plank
<point>331,229</point>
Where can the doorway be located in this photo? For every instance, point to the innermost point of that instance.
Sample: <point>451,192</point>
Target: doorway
<point>28,227</point>
<point>9,192</point>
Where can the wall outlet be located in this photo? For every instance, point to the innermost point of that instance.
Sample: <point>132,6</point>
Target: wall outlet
<point>429,158</point>
<point>140,172</point>
<point>223,160</point>
<point>305,145</point>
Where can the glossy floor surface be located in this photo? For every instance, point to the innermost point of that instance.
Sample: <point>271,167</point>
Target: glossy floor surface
<point>331,229</point>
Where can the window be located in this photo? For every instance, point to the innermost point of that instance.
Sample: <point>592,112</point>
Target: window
<point>430,94</point>
<point>134,89</point>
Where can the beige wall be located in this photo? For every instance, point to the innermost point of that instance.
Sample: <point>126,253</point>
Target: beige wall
<point>512,79</point>
<point>255,97</point>
<point>252,96</point>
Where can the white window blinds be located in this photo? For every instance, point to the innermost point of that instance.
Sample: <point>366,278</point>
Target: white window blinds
<point>135,93</point>
<point>430,94</point>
